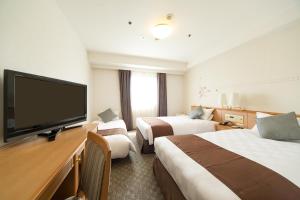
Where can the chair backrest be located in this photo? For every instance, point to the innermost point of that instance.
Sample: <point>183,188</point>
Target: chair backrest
<point>96,168</point>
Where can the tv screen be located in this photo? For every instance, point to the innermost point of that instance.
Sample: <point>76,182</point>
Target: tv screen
<point>35,104</point>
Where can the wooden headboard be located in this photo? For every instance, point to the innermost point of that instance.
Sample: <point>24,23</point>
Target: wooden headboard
<point>249,116</point>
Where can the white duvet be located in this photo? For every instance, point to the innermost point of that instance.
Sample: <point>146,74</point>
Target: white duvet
<point>120,145</point>
<point>196,182</point>
<point>182,125</point>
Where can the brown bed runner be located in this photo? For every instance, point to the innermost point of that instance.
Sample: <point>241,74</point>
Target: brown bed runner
<point>246,178</point>
<point>159,127</point>
<point>112,131</point>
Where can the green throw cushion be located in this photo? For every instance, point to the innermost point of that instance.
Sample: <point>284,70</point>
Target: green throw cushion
<point>279,127</point>
<point>107,116</point>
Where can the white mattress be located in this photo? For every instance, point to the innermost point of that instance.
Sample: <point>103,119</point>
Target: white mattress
<point>120,145</point>
<point>182,125</point>
<point>196,182</point>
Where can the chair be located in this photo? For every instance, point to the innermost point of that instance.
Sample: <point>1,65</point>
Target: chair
<point>95,171</point>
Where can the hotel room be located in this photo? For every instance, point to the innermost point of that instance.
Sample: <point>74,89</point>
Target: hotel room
<point>137,99</point>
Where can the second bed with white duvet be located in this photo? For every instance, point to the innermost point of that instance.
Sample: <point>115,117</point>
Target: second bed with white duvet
<point>195,182</point>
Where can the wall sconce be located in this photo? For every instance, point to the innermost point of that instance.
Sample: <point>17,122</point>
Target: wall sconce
<point>235,101</point>
<point>223,100</point>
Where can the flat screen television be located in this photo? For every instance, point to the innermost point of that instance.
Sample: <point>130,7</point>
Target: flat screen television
<point>35,104</point>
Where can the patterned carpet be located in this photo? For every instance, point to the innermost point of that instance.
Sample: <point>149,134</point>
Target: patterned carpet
<point>132,177</point>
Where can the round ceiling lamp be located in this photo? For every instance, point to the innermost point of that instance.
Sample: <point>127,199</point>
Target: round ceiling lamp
<point>161,31</point>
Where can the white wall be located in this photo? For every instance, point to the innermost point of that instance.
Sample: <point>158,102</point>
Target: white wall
<point>265,71</point>
<point>112,61</point>
<point>175,94</point>
<point>107,92</point>
<point>36,38</point>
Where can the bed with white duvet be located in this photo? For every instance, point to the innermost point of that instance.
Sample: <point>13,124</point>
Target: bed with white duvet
<point>181,125</point>
<point>120,144</point>
<point>195,182</point>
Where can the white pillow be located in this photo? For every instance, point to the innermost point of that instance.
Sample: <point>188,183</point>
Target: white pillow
<point>262,115</point>
<point>207,113</point>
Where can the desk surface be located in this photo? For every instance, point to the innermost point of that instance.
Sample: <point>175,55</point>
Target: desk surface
<point>26,169</point>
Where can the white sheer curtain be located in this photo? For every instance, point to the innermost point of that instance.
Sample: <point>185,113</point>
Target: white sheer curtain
<point>143,95</point>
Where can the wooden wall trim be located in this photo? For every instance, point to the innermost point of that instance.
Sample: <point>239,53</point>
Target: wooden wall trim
<point>249,111</point>
<point>249,115</point>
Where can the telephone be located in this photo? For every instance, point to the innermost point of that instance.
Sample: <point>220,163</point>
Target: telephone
<point>226,123</point>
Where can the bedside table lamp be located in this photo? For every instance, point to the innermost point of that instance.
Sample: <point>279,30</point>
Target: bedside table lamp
<point>223,100</point>
<point>235,101</point>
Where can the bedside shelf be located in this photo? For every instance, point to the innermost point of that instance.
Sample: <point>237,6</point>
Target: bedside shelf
<point>220,127</point>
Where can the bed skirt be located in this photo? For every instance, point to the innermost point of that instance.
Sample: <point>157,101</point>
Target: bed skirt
<point>166,183</point>
<point>143,144</point>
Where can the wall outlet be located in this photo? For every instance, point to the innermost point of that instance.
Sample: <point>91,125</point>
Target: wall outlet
<point>237,119</point>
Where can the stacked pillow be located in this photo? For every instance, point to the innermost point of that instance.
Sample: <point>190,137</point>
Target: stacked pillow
<point>207,114</point>
<point>259,115</point>
<point>278,127</point>
<point>201,113</point>
<point>197,113</point>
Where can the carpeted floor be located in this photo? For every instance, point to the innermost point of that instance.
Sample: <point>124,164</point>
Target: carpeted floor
<point>132,177</point>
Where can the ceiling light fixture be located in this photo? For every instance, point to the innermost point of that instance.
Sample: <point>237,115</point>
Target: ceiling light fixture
<point>161,31</point>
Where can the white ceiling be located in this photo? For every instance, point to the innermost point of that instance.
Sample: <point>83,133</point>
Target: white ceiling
<point>215,25</point>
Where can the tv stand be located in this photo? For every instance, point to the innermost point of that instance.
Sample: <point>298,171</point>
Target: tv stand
<point>51,136</point>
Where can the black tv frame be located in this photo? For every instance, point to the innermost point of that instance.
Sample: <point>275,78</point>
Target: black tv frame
<point>8,93</point>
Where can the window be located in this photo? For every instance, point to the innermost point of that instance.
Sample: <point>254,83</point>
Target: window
<point>143,95</point>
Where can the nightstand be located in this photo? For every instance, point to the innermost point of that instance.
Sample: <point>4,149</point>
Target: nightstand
<point>220,127</point>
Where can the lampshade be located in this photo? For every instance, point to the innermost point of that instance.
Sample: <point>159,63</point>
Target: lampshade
<point>161,31</point>
<point>222,100</point>
<point>234,100</point>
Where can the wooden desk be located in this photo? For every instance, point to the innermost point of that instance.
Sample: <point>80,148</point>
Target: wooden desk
<point>35,169</point>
